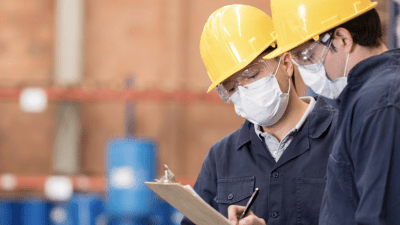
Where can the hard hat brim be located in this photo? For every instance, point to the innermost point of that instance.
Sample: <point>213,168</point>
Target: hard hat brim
<point>241,66</point>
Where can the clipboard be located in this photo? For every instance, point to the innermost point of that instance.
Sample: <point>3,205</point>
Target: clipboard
<point>186,200</point>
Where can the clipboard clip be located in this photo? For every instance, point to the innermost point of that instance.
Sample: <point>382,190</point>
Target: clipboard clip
<point>169,177</point>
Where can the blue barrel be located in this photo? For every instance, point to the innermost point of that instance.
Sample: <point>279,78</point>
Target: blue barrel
<point>85,209</point>
<point>59,214</point>
<point>125,221</point>
<point>130,162</point>
<point>6,212</point>
<point>164,213</point>
<point>176,216</point>
<point>34,212</point>
<point>16,212</point>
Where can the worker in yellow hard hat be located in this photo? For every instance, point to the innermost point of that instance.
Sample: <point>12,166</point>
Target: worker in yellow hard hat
<point>283,146</point>
<point>338,47</point>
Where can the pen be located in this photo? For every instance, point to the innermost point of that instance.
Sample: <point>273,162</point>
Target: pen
<point>249,203</point>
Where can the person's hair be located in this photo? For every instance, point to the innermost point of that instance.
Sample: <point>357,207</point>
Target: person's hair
<point>366,29</point>
<point>268,50</point>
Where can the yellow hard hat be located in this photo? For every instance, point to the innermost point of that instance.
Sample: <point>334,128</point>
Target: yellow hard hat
<point>233,37</point>
<point>298,21</point>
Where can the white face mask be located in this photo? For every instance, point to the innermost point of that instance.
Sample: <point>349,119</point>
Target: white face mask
<point>319,83</point>
<point>261,102</point>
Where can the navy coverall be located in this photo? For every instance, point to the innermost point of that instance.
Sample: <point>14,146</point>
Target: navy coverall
<point>290,190</point>
<point>363,181</point>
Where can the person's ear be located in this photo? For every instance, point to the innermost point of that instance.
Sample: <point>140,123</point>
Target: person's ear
<point>287,64</point>
<point>343,39</point>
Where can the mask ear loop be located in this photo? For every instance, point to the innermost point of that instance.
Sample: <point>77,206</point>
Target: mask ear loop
<point>347,61</point>
<point>276,71</point>
<point>289,88</point>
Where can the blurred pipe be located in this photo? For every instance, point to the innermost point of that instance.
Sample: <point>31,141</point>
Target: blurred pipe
<point>68,72</point>
<point>69,42</point>
<point>129,108</point>
<point>67,140</point>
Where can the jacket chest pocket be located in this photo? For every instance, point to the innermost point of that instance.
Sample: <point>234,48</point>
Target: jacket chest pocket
<point>309,198</point>
<point>234,191</point>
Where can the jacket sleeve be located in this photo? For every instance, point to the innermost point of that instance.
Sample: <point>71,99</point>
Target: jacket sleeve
<point>206,184</point>
<point>376,161</point>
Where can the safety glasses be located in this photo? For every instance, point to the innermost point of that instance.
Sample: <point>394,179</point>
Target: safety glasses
<point>313,55</point>
<point>253,72</point>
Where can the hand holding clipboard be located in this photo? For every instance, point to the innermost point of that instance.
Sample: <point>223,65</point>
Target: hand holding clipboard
<point>186,200</point>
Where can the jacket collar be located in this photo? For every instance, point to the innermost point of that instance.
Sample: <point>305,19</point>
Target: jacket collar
<point>247,134</point>
<point>244,134</point>
<point>320,118</point>
<point>365,69</point>
<point>316,124</point>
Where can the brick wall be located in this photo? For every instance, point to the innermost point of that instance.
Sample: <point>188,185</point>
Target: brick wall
<point>154,41</point>
<point>26,58</point>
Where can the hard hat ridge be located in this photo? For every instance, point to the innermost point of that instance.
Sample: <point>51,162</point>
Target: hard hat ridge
<point>232,37</point>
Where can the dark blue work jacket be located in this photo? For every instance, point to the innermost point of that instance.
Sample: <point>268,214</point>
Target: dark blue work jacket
<point>363,176</point>
<point>290,190</point>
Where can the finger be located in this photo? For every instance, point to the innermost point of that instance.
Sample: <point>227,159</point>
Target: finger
<point>234,212</point>
<point>249,213</point>
<point>248,220</point>
<point>252,220</point>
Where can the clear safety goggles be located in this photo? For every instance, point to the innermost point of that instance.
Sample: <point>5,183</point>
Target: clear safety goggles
<point>315,54</point>
<point>253,72</point>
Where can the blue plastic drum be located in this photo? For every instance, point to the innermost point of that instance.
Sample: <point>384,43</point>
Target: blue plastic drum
<point>130,162</point>
<point>85,209</point>
<point>5,212</point>
<point>34,212</point>
<point>59,214</point>
<point>164,213</point>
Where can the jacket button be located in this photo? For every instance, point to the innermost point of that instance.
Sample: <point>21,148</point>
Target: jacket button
<point>230,196</point>
<point>274,214</point>
<point>275,174</point>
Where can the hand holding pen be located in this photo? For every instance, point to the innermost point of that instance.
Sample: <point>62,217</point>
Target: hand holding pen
<point>249,203</point>
<point>246,215</point>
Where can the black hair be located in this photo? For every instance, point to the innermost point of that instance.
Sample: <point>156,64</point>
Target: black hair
<point>268,50</point>
<point>366,29</point>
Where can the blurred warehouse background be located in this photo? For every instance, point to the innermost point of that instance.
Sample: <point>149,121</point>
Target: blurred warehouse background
<point>82,79</point>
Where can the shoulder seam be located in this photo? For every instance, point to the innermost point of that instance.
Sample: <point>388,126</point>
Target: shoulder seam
<point>373,111</point>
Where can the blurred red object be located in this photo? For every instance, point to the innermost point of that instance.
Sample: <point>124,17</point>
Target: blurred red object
<point>101,95</point>
<point>80,183</point>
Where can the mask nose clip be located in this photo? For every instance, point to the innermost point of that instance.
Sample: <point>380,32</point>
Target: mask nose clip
<point>240,83</point>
